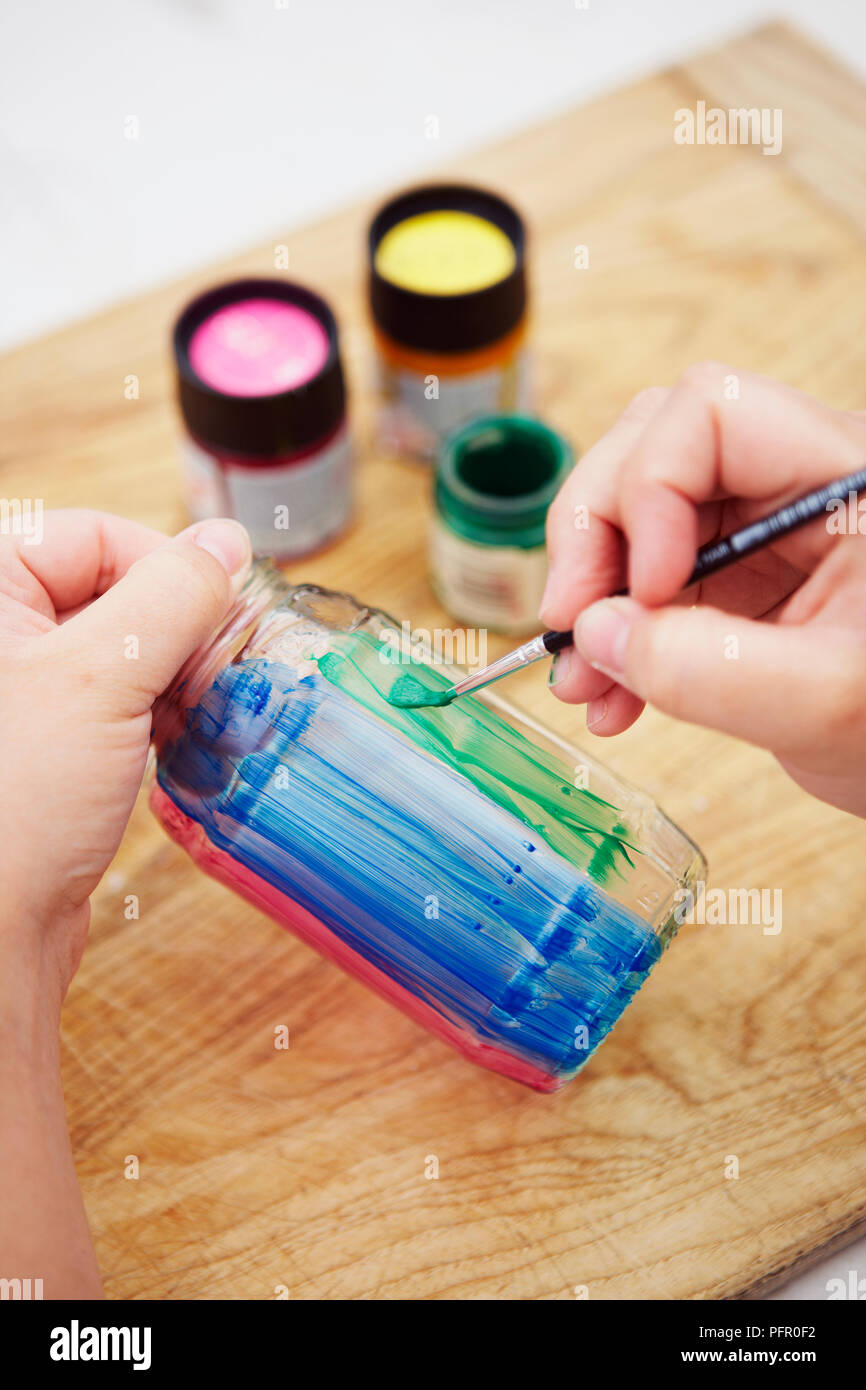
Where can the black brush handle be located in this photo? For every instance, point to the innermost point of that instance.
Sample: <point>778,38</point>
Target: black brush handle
<point>717,555</point>
<point>555,641</point>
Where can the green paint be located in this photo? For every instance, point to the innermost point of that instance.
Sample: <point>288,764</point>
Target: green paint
<point>409,693</point>
<point>475,741</point>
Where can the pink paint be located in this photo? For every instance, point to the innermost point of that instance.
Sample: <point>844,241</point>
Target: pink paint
<point>291,915</point>
<point>258,347</point>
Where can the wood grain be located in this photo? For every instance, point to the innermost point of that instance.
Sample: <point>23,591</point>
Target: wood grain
<point>306,1168</point>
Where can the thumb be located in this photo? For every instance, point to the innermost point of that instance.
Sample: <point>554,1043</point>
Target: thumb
<point>769,683</point>
<point>133,640</point>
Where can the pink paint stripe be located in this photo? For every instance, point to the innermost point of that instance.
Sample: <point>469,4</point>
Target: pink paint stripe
<point>295,918</point>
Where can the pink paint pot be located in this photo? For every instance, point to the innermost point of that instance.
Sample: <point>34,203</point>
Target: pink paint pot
<point>262,396</point>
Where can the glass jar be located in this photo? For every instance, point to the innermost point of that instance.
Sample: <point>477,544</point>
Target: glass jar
<point>498,886</point>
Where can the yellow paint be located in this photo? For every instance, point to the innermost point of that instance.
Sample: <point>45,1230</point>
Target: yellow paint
<point>445,252</point>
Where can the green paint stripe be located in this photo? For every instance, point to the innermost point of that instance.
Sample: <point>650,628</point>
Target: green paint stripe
<point>483,747</point>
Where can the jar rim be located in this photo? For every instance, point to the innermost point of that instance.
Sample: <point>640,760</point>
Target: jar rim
<point>448,323</point>
<point>270,424</point>
<point>497,504</point>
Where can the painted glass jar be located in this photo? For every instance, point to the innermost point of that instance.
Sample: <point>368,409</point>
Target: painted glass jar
<point>502,889</point>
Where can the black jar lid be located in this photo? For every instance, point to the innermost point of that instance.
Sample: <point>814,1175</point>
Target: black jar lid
<point>449,322</point>
<point>260,425</point>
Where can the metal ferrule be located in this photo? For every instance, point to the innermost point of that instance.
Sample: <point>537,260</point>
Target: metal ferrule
<point>512,661</point>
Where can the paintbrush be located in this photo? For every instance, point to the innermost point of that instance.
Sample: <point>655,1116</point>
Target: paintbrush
<point>409,693</point>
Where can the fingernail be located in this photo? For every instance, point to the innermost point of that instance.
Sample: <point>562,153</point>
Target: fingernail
<point>226,540</point>
<point>601,634</point>
<point>560,668</point>
<point>595,711</point>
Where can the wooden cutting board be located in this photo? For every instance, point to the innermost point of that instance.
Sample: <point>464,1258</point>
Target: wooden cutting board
<point>264,1171</point>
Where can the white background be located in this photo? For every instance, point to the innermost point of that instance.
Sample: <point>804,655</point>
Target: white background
<point>254,117</point>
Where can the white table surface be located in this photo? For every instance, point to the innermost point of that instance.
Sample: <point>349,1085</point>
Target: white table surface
<point>255,115</point>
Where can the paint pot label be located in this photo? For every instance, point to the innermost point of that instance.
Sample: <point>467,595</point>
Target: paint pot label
<point>418,411</point>
<point>487,585</point>
<point>289,509</point>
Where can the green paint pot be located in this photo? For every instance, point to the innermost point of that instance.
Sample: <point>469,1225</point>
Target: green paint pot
<point>495,480</point>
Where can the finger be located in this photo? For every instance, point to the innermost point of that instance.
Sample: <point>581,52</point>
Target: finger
<point>132,640</point>
<point>72,557</point>
<point>767,683</point>
<point>834,595</point>
<point>584,541</point>
<point>765,444</point>
<point>573,680</point>
<point>752,588</point>
<point>614,712</point>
